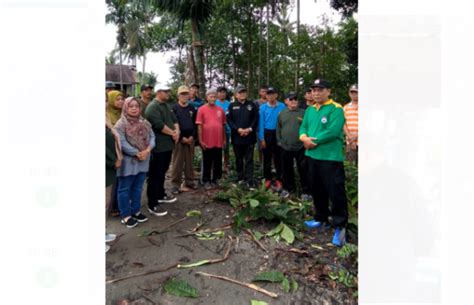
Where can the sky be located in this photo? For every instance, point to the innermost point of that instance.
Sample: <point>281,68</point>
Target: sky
<point>311,14</point>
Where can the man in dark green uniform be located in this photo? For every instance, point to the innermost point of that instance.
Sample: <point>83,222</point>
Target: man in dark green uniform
<point>322,135</point>
<point>166,129</point>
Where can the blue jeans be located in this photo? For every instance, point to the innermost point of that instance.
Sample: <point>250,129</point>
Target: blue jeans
<point>130,194</point>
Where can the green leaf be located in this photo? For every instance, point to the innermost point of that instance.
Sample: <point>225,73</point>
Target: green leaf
<point>333,276</point>
<point>200,263</point>
<point>276,230</point>
<point>269,276</point>
<point>285,284</point>
<point>287,234</point>
<point>255,302</point>
<point>253,203</point>
<point>294,286</point>
<point>194,213</point>
<point>180,288</point>
<point>257,235</point>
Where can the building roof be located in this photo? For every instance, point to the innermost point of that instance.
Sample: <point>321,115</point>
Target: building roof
<point>129,75</point>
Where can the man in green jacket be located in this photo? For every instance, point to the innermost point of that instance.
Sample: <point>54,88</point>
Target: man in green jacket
<point>165,126</point>
<point>322,135</point>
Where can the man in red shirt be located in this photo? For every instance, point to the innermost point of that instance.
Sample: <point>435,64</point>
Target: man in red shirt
<point>211,122</point>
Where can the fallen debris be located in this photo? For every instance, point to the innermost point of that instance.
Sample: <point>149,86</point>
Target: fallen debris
<point>248,285</point>
<point>256,240</point>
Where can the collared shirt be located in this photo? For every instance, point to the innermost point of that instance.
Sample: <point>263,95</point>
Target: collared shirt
<point>160,115</point>
<point>186,116</point>
<point>325,123</point>
<point>196,102</point>
<point>269,117</point>
<point>351,113</point>
<point>225,106</point>
<point>289,122</point>
<point>243,115</point>
<point>143,105</point>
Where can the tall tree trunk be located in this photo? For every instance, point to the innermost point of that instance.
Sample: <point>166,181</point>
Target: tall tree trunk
<point>268,45</point>
<point>297,46</point>
<point>234,67</point>
<point>198,58</point>
<point>143,63</point>
<point>259,68</point>
<point>250,52</point>
<point>121,72</point>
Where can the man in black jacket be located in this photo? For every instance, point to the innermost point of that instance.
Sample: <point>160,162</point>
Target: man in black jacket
<point>243,121</point>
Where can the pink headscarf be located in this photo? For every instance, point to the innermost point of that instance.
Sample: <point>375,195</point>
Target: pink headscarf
<point>136,128</point>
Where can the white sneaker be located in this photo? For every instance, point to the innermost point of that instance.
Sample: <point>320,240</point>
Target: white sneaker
<point>107,248</point>
<point>110,237</point>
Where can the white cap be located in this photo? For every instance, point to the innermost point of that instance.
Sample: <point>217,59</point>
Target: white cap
<point>162,88</point>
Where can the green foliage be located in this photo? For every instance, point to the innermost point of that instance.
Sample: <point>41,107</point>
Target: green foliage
<point>255,302</point>
<point>352,191</point>
<point>210,236</point>
<point>347,251</point>
<point>193,213</point>
<point>180,288</point>
<point>265,204</point>
<point>344,277</point>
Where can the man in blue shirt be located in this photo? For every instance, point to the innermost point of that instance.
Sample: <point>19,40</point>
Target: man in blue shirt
<point>224,103</point>
<point>194,100</point>
<point>268,140</point>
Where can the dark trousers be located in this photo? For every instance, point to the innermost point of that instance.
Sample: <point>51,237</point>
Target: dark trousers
<point>159,164</point>
<point>271,152</point>
<point>289,173</point>
<point>212,162</point>
<point>244,159</point>
<point>328,182</point>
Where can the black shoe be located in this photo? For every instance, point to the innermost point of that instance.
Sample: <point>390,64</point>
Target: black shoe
<point>167,199</point>
<point>140,217</point>
<point>131,222</point>
<point>252,185</point>
<point>158,211</point>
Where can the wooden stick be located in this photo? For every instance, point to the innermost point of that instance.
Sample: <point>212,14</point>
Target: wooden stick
<point>248,285</point>
<point>294,250</point>
<point>140,274</point>
<point>227,227</point>
<point>174,223</point>
<point>255,240</point>
<point>215,260</point>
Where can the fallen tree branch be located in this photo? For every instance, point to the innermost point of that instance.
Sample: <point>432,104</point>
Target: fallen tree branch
<point>174,223</point>
<point>294,250</point>
<point>227,227</point>
<point>210,261</point>
<point>140,274</point>
<point>255,240</point>
<point>248,285</point>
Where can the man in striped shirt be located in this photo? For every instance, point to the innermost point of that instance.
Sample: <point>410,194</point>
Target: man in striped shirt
<point>351,128</point>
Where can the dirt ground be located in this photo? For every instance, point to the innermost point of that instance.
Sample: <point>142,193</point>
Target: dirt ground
<point>131,254</point>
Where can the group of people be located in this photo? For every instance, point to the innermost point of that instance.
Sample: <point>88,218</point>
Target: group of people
<point>145,135</point>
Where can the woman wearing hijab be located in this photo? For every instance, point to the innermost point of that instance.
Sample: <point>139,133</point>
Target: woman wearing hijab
<point>115,101</point>
<point>114,105</point>
<point>113,158</point>
<point>137,140</point>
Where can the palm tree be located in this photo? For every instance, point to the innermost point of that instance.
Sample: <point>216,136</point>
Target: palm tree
<point>118,15</point>
<point>198,12</point>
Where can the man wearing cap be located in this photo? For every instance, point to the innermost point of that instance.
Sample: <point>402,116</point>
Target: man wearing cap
<point>183,153</point>
<point>167,133</point>
<point>224,103</point>
<point>109,86</point>
<point>308,99</point>
<point>194,100</point>
<point>243,121</point>
<point>145,97</point>
<point>211,123</point>
<point>322,135</point>
<point>289,122</point>
<point>267,136</point>
<point>351,128</point>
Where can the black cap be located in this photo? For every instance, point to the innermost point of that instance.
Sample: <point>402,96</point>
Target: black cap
<point>240,88</point>
<point>271,90</point>
<point>194,85</point>
<point>321,83</point>
<point>145,87</point>
<point>109,85</point>
<point>222,88</point>
<point>291,95</point>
